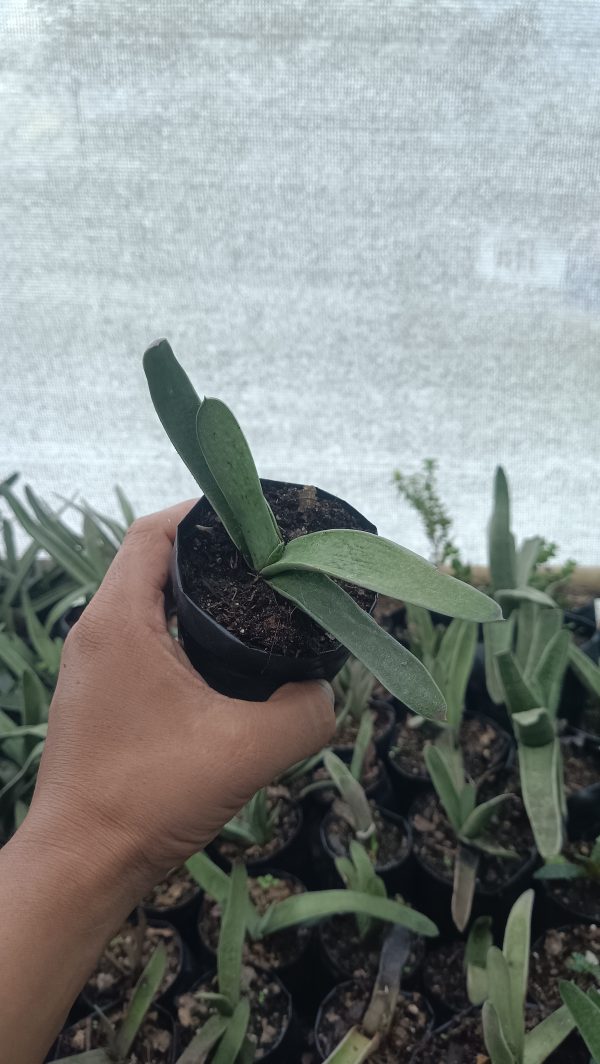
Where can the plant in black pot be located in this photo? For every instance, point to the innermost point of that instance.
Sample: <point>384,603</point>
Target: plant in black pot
<point>355,696</point>
<point>585,1011</point>
<point>267,830</point>
<point>126,1035</point>
<point>471,824</point>
<point>572,880</point>
<point>256,562</point>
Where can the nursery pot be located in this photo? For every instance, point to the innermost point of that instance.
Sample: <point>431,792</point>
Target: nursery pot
<point>344,1007</point>
<point>385,711</point>
<point>163,1022</point>
<point>225,662</point>
<point>345,958</point>
<point>397,874</point>
<point>285,1046</point>
<point>444,979</point>
<point>183,915</point>
<point>290,855</point>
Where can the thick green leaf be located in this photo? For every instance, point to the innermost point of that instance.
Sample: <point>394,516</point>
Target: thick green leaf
<point>466,864</point>
<point>213,880</point>
<point>361,745</point>
<point>586,1014</point>
<point>457,651</point>
<point>495,1042</point>
<point>550,672</point>
<point>319,904</point>
<point>126,507</point>
<point>527,618</point>
<point>199,1048</point>
<point>230,460</point>
<point>524,594</point>
<point>547,623</point>
<point>235,1034</point>
<point>15,654</point>
<point>48,650</point>
<point>141,1000</point>
<point>19,576</point>
<point>232,934</point>
<point>177,405</point>
<point>479,941</point>
<point>76,596</point>
<point>518,694</point>
<point>443,782</point>
<point>538,769</point>
<point>394,666</point>
<point>515,949</point>
<point>479,820</point>
<point>370,561</point>
<point>351,793</point>
<point>66,555</point>
<point>355,1048</point>
<point>496,638</point>
<point>544,1039</point>
<point>585,669</point>
<point>500,996</point>
<point>559,868</point>
<point>501,542</point>
<point>526,558</point>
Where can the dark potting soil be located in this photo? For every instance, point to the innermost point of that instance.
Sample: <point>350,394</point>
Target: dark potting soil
<point>288,823</point>
<point>444,977</point>
<point>274,952</point>
<point>346,1007</point>
<point>120,965</point>
<point>388,846</point>
<point>153,1044</point>
<point>482,745</point>
<point>269,1009</point>
<point>176,888</point>
<point>347,733</point>
<point>582,768</point>
<point>217,579</point>
<point>359,958</point>
<point>461,1042</point>
<point>558,955</point>
<point>578,895</point>
<point>435,842</point>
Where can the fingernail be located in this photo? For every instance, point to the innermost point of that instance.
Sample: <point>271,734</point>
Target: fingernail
<point>329,689</point>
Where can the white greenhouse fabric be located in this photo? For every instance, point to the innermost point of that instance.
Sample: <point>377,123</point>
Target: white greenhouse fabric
<point>372,227</point>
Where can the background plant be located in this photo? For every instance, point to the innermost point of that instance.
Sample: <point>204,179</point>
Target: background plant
<point>420,490</point>
<point>585,1012</point>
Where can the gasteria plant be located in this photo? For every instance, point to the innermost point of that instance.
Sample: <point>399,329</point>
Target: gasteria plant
<point>358,873</point>
<point>119,1040</point>
<point>503,1014</point>
<point>447,654</point>
<point>469,821</point>
<point>585,1012</point>
<point>353,688</point>
<point>304,570</point>
<point>531,677</point>
<point>478,943</point>
<point>256,823</point>
<point>355,805</point>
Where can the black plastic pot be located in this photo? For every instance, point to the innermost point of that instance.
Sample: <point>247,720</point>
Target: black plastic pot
<point>397,876</point>
<point>186,972</point>
<point>225,662</point>
<point>583,806</point>
<point>328,1002</point>
<point>339,973</point>
<point>297,975</point>
<point>183,917</point>
<point>435,894</point>
<point>164,1022</point>
<point>287,1047</point>
<point>290,856</point>
<point>65,623</point>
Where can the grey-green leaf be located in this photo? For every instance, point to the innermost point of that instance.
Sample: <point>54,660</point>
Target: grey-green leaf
<point>319,904</point>
<point>586,1014</point>
<point>547,1036</point>
<point>394,666</point>
<point>501,543</point>
<point>371,561</point>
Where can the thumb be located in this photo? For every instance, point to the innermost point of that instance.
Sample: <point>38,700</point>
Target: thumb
<point>297,720</point>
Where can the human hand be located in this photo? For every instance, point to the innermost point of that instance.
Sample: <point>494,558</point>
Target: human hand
<point>143,761</point>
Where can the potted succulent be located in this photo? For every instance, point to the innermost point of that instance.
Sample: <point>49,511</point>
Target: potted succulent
<point>267,831</point>
<point>585,1011</point>
<point>257,565</point>
<point>355,696</point>
<point>130,1033</point>
<point>571,883</point>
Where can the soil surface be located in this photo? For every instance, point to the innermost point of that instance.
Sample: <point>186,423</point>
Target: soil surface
<point>385,716</point>
<point>177,888</point>
<point>483,744</point>
<point>274,952</point>
<point>444,978</point>
<point>217,579</point>
<point>556,956</point>
<point>120,964</point>
<point>435,842</point>
<point>288,824</point>
<point>461,1042</point>
<point>346,1006</point>
<point>356,958</point>
<point>153,1044</point>
<point>582,767</point>
<point>269,1010</point>
<point>389,845</point>
<point>579,896</point>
